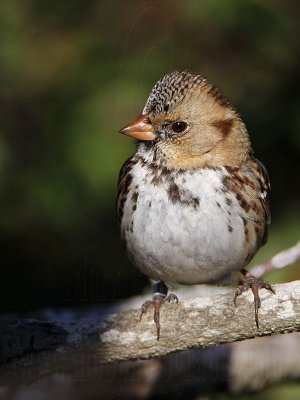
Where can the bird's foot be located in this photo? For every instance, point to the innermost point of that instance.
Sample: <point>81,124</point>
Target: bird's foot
<point>254,284</point>
<point>160,296</point>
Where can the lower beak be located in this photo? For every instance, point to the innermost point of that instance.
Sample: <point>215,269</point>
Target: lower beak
<point>140,129</point>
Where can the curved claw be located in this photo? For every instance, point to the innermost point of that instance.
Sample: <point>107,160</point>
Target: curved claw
<point>257,305</point>
<point>237,293</point>
<point>255,284</point>
<point>268,286</point>
<point>145,307</point>
<point>157,306</point>
<point>239,290</point>
<point>156,302</point>
<point>171,297</point>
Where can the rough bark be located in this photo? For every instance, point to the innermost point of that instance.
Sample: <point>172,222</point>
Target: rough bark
<point>199,322</point>
<point>66,351</point>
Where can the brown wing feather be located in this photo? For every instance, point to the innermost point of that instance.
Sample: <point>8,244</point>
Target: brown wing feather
<point>261,174</point>
<point>124,182</point>
<point>265,189</point>
<point>251,185</point>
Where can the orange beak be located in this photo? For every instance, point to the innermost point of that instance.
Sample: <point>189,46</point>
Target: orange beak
<point>140,129</point>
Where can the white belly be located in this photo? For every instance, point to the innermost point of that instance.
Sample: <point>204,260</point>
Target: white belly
<point>182,241</point>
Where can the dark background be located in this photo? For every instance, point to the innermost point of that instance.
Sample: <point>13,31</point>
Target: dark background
<point>72,74</point>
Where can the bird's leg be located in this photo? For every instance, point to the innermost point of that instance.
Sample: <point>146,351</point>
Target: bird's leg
<point>160,296</point>
<point>255,284</point>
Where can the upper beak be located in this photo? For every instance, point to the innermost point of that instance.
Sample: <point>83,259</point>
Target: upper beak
<point>140,129</point>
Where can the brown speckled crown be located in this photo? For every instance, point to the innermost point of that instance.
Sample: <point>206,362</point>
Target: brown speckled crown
<point>171,90</point>
<point>176,86</point>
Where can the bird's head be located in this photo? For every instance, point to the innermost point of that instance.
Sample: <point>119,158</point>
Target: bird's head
<point>190,124</point>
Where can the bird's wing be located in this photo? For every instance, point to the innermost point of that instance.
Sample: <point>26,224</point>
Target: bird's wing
<point>124,182</point>
<point>261,174</point>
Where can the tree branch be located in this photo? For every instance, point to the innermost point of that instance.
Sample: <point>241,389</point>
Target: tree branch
<point>68,341</point>
<point>200,322</point>
<point>280,260</point>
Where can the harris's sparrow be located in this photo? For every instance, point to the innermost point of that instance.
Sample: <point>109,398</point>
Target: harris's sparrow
<point>192,200</point>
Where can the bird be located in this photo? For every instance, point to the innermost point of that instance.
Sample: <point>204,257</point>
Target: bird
<point>193,201</point>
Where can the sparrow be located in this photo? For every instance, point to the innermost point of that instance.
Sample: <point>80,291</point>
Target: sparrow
<point>192,200</point>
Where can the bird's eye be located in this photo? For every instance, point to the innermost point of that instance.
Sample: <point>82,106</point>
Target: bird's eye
<point>179,126</point>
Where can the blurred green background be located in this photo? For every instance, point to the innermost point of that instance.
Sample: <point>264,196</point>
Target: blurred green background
<point>72,74</point>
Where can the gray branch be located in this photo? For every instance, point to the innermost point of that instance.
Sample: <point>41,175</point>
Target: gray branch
<point>199,323</point>
<point>279,261</point>
<point>58,355</point>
